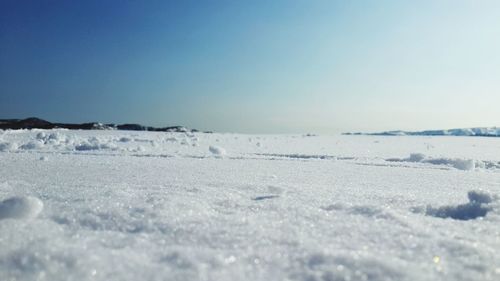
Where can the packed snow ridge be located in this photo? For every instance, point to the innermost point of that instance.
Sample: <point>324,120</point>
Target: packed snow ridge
<point>479,132</point>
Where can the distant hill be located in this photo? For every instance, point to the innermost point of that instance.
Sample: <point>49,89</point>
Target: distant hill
<point>473,132</point>
<point>37,123</point>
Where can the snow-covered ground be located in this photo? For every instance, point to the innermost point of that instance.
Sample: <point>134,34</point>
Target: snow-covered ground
<point>119,205</point>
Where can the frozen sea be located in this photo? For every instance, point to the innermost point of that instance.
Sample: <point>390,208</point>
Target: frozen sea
<point>123,205</point>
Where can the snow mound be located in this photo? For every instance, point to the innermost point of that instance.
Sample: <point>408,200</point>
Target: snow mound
<point>7,146</point>
<point>53,138</point>
<point>95,144</point>
<point>216,150</point>
<point>125,139</point>
<point>475,208</point>
<point>31,145</point>
<point>20,207</point>
<point>416,157</point>
<point>457,163</point>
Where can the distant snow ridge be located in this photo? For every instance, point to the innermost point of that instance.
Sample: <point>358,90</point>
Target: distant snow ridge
<point>475,208</point>
<point>20,207</point>
<point>457,163</point>
<point>480,131</point>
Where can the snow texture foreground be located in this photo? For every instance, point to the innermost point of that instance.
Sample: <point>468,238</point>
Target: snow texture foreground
<point>118,205</point>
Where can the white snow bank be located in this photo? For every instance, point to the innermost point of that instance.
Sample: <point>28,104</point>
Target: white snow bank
<point>20,207</point>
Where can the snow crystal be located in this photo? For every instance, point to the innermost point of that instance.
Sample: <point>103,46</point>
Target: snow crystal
<point>20,207</point>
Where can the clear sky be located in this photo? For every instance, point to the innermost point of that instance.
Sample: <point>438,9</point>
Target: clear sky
<point>277,66</point>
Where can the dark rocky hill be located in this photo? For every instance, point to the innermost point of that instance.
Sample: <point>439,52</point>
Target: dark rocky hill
<point>37,123</point>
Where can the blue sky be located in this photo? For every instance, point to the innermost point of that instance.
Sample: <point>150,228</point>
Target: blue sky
<point>253,66</point>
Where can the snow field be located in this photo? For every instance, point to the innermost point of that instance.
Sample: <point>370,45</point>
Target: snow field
<point>294,208</point>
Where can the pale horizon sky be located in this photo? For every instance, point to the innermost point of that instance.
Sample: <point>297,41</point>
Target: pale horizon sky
<point>253,66</point>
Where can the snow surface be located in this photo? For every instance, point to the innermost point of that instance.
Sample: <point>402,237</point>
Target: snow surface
<point>120,205</point>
